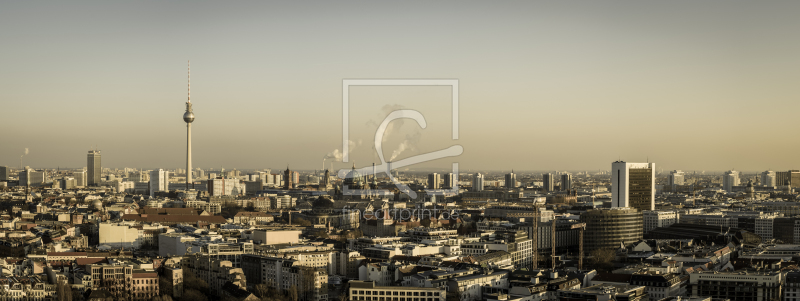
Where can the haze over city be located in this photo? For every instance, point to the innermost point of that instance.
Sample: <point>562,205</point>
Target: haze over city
<point>543,86</point>
<point>399,151</point>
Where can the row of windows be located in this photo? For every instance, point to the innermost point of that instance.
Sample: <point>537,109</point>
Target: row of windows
<point>392,299</point>
<point>394,293</point>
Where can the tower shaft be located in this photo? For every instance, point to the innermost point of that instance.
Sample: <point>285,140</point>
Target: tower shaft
<point>189,156</point>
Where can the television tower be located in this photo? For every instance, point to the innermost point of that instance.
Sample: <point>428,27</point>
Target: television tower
<point>188,117</point>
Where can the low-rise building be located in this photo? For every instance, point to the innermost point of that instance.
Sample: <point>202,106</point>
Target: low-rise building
<point>368,290</point>
<point>740,285</point>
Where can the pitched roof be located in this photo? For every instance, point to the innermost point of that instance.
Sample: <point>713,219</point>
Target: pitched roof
<point>66,253</point>
<point>91,260</point>
<point>212,219</point>
<point>251,214</point>
<point>145,275</point>
<point>168,211</point>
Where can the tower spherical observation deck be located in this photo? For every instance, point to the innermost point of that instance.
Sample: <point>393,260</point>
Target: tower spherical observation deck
<point>188,117</point>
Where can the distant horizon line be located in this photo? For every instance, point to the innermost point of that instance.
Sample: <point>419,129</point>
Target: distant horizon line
<point>441,170</point>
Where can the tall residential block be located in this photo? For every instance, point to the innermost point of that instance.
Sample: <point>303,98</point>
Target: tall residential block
<point>729,179</point>
<point>159,181</point>
<point>768,178</point>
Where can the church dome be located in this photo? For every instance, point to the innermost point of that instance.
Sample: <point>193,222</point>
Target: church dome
<point>322,203</point>
<point>353,178</point>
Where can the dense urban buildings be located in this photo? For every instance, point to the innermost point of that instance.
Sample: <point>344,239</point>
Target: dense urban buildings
<point>498,188</point>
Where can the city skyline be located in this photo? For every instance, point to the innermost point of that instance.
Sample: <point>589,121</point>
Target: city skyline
<point>581,85</point>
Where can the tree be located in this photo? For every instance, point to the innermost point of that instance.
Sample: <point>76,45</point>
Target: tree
<point>308,281</point>
<point>193,295</point>
<point>63,291</point>
<point>164,286</point>
<point>268,293</point>
<point>292,293</point>
<point>454,296</point>
<point>230,209</point>
<point>192,282</point>
<point>301,222</point>
<point>602,257</point>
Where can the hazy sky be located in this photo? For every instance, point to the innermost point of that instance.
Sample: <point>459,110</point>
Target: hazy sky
<point>693,85</point>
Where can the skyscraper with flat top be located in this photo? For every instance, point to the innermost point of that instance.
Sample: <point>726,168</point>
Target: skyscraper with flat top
<point>449,180</point>
<point>729,179</point>
<point>548,182</point>
<point>566,182</point>
<point>768,178</point>
<point>3,173</point>
<point>93,168</point>
<point>433,181</point>
<point>676,178</point>
<point>159,181</point>
<point>477,182</point>
<point>511,180</point>
<point>633,185</point>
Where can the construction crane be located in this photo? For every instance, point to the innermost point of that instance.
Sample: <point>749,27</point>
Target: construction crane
<point>535,230</point>
<point>553,242</point>
<point>581,226</point>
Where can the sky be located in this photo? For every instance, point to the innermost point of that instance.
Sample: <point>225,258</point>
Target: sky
<point>566,85</point>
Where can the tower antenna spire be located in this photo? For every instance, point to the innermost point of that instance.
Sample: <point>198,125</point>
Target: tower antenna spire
<point>189,78</point>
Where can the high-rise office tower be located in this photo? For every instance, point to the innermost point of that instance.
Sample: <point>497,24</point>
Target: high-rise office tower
<point>675,178</point>
<point>566,182</point>
<point>548,182</point>
<point>449,180</point>
<point>188,117</point>
<point>768,178</point>
<point>93,168</point>
<point>433,181</point>
<point>3,173</point>
<point>511,180</point>
<point>37,178</point>
<point>80,178</point>
<point>159,181</point>
<point>729,179</point>
<point>633,185</point>
<point>477,182</point>
<point>24,177</point>
<point>788,178</point>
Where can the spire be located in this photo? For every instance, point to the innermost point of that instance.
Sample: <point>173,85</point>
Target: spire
<point>189,85</point>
